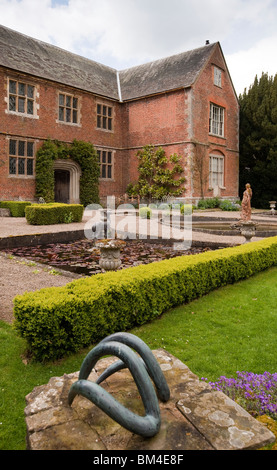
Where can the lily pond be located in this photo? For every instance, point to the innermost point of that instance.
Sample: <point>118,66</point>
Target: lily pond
<point>82,257</point>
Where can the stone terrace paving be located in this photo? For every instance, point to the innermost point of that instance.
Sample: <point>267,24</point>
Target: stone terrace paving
<point>18,227</point>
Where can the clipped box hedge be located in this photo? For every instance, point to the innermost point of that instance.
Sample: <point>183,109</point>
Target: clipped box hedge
<point>60,320</point>
<point>53,213</point>
<point>17,208</point>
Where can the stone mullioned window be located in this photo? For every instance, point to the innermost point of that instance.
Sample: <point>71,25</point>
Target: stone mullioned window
<point>106,163</point>
<point>21,158</point>
<point>104,116</point>
<point>68,108</point>
<point>21,98</point>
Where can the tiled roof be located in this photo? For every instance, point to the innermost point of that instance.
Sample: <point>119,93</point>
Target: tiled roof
<point>28,55</point>
<point>178,71</point>
<point>25,54</point>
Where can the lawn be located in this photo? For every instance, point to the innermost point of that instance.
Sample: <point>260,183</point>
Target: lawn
<point>234,328</point>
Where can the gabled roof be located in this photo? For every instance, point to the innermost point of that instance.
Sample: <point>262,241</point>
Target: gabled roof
<point>171,73</point>
<point>31,56</point>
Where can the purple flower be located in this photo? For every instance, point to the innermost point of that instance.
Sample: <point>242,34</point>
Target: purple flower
<point>256,392</point>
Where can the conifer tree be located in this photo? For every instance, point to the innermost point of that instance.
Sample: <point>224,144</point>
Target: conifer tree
<point>258,140</point>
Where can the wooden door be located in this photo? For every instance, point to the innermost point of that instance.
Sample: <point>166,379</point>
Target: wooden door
<point>62,180</point>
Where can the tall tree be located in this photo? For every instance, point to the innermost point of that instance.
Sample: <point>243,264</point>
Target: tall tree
<point>258,140</point>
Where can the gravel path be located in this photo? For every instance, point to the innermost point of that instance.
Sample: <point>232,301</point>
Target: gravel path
<point>18,276</point>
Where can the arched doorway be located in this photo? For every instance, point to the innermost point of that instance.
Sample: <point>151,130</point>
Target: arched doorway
<point>67,181</point>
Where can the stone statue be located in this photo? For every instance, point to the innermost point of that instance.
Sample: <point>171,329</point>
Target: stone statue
<point>246,203</point>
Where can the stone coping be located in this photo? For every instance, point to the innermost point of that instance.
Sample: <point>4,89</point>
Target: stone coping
<point>15,232</point>
<point>195,418</point>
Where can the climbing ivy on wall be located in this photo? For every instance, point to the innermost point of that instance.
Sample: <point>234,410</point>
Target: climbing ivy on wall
<point>82,153</point>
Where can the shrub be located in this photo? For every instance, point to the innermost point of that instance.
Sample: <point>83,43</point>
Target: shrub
<point>210,203</point>
<point>17,208</point>
<point>57,321</point>
<point>228,206</point>
<point>145,212</point>
<point>56,213</point>
<point>186,209</point>
<point>159,175</point>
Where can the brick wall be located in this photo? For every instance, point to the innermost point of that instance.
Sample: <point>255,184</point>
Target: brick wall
<point>159,120</point>
<point>16,126</point>
<point>205,92</point>
<point>174,120</point>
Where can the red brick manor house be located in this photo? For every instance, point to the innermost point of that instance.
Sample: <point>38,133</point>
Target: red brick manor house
<point>185,103</point>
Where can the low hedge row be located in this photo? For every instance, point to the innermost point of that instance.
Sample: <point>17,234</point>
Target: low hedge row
<point>17,208</point>
<point>58,321</point>
<point>53,213</point>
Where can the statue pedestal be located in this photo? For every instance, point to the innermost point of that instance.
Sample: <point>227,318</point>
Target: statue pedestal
<point>195,417</point>
<point>247,229</point>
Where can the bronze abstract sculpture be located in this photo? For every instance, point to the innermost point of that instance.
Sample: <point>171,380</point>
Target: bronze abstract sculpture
<point>141,368</point>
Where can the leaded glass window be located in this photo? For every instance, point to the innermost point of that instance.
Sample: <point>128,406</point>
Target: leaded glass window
<point>106,163</point>
<point>12,166</point>
<point>21,157</point>
<point>104,117</point>
<point>68,108</point>
<point>21,97</point>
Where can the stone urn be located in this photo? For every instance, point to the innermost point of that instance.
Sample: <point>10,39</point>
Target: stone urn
<point>247,229</point>
<point>272,207</point>
<point>110,254</point>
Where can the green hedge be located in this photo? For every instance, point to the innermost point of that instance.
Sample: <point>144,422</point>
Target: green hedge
<point>56,213</point>
<point>58,321</point>
<point>17,208</point>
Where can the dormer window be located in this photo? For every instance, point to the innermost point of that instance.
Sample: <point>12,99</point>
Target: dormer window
<point>217,76</point>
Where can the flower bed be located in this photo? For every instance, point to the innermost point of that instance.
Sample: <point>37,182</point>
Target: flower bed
<point>257,393</point>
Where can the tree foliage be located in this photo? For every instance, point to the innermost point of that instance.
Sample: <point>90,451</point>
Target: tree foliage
<point>159,175</point>
<point>258,140</point>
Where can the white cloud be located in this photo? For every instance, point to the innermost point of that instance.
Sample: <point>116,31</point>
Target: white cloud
<point>244,65</point>
<point>122,33</point>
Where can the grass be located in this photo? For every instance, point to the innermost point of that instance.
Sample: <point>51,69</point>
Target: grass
<point>232,329</point>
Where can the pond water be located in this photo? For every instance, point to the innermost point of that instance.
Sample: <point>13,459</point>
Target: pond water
<point>81,257</point>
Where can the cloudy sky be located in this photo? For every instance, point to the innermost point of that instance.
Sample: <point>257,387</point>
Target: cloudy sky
<point>123,33</point>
